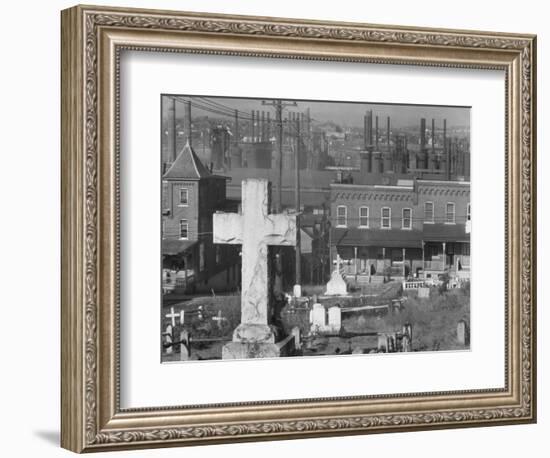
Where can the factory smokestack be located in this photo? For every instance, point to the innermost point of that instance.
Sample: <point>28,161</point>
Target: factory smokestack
<point>368,130</point>
<point>423,142</point>
<point>376,133</point>
<point>446,154</point>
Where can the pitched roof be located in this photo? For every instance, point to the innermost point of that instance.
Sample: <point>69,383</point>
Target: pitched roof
<point>187,165</point>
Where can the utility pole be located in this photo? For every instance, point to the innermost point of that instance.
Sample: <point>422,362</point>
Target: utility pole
<point>279,105</point>
<point>236,126</point>
<point>188,122</point>
<point>297,204</point>
<point>278,204</point>
<point>173,133</point>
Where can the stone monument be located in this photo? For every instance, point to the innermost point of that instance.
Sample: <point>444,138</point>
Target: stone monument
<point>336,286</point>
<point>255,229</point>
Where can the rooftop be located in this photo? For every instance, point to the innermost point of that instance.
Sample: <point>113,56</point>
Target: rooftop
<point>187,166</point>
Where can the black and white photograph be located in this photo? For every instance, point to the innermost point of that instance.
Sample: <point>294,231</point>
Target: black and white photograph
<point>313,228</point>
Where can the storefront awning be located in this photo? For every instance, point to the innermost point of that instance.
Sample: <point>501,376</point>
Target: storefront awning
<point>445,233</point>
<point>390,238</point>
<point>172,247</point>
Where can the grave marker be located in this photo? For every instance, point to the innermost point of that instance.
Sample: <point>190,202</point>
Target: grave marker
<point>297,337</point>
<point>185,347</point>
<point>463,333</point>
<point>336,286</point>
<point>168,348</point>
<point>334,319</point>
<point>219,319</point>
<point>255,229</point>
<point>173,315</point>
<point>423,293</point>
<point>318,318</point>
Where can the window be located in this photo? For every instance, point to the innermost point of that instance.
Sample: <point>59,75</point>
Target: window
<point>184,196</point>
<point>468,213</point>
<point>386,218</point>
<point>407,219</point>
<point>429,212</point>
<point>342,216</point>
<point>364,217</point>
<point>450,213</point>
<point>184,229</point>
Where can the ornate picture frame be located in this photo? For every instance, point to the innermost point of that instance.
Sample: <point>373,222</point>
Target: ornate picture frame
<point>92,41</point>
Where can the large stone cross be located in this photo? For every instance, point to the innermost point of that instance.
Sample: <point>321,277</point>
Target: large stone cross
<point>255,229</point>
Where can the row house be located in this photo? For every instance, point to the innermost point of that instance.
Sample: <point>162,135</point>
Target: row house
<point>191,194</point>
<point>416,228</point>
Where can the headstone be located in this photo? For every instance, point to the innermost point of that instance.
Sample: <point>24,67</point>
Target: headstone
<point>382,342</point>
<point>407,330</point>
<point>255,229</point>
<point>318,318</point>
<point>357,351</point>
<point>168,348</point>
<point>297,291</point>
<point>406,344</point>
<point>463,333</point>
<point>423,293</point>
<point>185,347</point>
<point>391,343</point>
<point>336,286</point>
<point>334,319</point>
<point>297,337</point>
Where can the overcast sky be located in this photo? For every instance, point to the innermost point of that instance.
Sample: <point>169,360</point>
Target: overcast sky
<point>343,113</point>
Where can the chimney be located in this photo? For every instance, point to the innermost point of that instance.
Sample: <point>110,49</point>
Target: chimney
<point>446,153</point>
<point>388,130</point>
<point>258,126</point>
<point>365,140</point>
<point>423,142</point>
<point>188,130</point>
<point>367,130</point>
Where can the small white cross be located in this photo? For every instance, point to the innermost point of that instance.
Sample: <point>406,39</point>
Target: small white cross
<point>173,315</point>
<point>219,318</point>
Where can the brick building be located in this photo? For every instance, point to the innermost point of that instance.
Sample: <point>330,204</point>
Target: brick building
<point>191,194</point>
<point>415,228</point>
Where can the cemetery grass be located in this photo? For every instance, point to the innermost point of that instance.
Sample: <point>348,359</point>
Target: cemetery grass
<point>434,319</point>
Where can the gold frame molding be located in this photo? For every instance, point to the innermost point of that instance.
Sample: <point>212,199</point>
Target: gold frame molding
<point>92,39</point>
